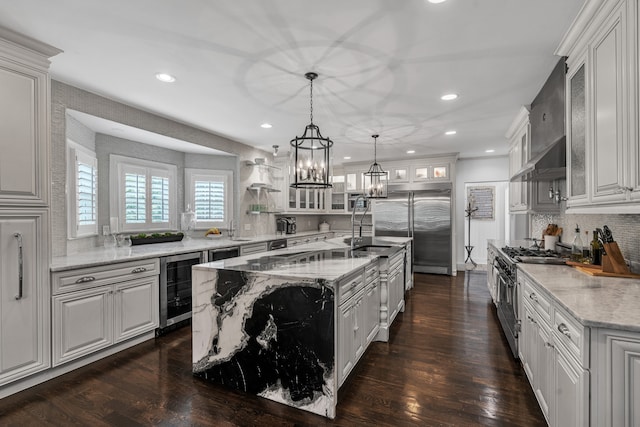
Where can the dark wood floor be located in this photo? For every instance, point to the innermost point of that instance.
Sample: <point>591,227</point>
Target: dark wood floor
<point>446,364</point>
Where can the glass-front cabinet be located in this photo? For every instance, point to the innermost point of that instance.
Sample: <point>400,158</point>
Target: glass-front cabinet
<point>576,135</point>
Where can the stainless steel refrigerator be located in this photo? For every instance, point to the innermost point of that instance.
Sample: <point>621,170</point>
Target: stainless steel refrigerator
<point>423,213</point>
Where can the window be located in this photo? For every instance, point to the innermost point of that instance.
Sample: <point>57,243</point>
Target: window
<point>210,195</point>
<point>143,194</point>
<point>82,194</point>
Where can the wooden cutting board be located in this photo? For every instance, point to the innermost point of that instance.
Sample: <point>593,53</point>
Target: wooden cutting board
<point>598,272</point>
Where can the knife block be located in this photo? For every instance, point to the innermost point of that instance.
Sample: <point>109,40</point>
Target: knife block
<point>613,261</point>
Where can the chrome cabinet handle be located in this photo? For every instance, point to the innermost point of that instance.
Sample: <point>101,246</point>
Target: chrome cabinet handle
<point>20,265</point>
<point>139,270</point>
<point>534,297</point>
<point>548,345</point>
<point>564,330</point>
<point>86,279</point>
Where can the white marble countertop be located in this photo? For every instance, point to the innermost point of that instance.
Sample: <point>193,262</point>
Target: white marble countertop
<point>103,256</point>
<point>608,302</point>
<point>328,260</point>
<point>594,301</point>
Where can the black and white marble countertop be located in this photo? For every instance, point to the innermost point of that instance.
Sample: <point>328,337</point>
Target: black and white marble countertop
<point>329,260</point>
<point>595,301</point>
<point>104,256</point>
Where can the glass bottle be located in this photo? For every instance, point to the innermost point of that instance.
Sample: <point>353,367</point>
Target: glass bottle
<point>596,250</point>
<point>576,246</point>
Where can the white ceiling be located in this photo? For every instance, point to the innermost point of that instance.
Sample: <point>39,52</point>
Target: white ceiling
<point>382,65</point>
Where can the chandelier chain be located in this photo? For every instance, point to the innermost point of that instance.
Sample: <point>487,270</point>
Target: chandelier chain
<point>311,100</point>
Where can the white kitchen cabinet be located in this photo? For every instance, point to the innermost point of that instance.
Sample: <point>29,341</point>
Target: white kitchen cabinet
<point>24,119</point>
<point>253,248</point>
<point>609,87</point>
<point>554,353</point>
<point>519,137</point>
<point>82,323</point>
<point>408,266</point>
<point>615,390</point>
<point>345,341</point>
<point>24,293</point>
<point>97,307</point>
<point>602,133</point>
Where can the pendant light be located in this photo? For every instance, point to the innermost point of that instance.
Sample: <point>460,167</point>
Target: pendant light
<point>310,155</point>
<point>377,188</point>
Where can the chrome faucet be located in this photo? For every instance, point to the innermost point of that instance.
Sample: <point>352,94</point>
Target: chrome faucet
<point>231,229</point>
<point>353,222</point>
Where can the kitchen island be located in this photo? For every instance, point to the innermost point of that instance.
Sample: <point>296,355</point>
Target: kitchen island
<point>288,325</point>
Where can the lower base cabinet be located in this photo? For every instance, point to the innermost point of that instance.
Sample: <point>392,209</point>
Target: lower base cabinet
<point>96,307</point>
<point>358,320</point>
<point>553,350</point>
<point>615,393</point>
<point>88,321</point>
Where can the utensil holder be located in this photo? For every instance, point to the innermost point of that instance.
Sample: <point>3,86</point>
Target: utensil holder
<point>613,261</point>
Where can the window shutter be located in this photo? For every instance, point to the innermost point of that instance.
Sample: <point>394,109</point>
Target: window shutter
<point>209,200</point>
<point>159,199</point>
<point>86,192</point>
<point>135,198</point>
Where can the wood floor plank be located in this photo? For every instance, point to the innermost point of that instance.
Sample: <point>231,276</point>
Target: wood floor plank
<point>447,363</point>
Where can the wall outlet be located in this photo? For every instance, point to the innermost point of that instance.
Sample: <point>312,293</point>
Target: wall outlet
<point>247,227</point>
<point>106,230</point>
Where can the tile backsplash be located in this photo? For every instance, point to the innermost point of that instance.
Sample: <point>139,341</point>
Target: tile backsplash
<point>625,229</point>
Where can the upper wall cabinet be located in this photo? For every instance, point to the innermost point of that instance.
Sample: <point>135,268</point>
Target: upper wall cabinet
<point>602,108</point>
<point>24,120</point>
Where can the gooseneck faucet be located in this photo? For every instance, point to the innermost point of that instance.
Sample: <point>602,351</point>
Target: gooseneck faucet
<point>353,222</point>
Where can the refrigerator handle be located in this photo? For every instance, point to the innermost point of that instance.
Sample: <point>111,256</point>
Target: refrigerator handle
<point>410,219</point>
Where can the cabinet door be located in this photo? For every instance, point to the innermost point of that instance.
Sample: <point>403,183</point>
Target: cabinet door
<point>372,307</point>
<point>571,406</point>
<point>576,136</point>
<point>345,341</point>
<point>359,328</point>
<point>608,85</point>
<point>24,165</point>
<point>24,322</point>
<point>545,355</point>
<point>526,342</point>
<point>82,323</point>
<point>136,307</point>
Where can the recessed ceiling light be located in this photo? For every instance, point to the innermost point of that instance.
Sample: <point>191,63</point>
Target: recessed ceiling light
<point>166,78</point>
<point>450,132</point>
<point>489,151</point>
<point>411,151</point>
<point>437,1</point>
<point>266,126</point>
<point>449,97</point>
<point>347,157</point>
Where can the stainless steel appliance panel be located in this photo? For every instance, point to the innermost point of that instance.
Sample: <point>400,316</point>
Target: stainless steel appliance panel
<point>425,215</point>
<point>432,231</point>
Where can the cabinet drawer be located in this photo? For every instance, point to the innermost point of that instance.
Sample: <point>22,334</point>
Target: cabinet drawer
<point>253,249</point>
<point>372,272</point>
<point>90,277</point>
<point>348,286</point>
<point>539,301</point>
<point>571,334</point>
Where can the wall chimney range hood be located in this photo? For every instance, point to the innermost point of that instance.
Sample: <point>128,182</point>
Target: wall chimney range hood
<point>548,141</point>
<point>547,165</point>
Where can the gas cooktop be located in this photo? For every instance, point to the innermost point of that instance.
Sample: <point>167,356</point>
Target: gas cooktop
<point>532,255</point>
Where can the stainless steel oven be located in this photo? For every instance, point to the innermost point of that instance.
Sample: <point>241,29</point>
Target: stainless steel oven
<point>507,301</point>
<point>175,288</point>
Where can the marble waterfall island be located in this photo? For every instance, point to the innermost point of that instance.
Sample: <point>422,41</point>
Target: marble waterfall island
<point>266,325</point>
